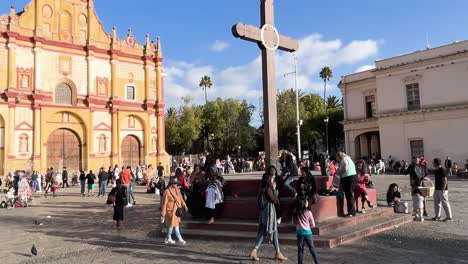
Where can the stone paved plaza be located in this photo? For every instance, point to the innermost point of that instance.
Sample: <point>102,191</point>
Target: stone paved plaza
<point>80,230</point>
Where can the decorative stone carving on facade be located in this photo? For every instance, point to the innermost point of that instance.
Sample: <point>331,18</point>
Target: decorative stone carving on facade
<point>47,11</point>
<point>65,65</point>
<point>102,143</point>
<point>63,43</point>
<point>412,79</point>
<point>154,143</point>
<point>65,117</point>
<point>131,122</point>
<point>23,126</point>
<point>23,143</point>
<point>65,25</point>
<point>102,127</point>
<point>102,84</point>
<point>24,78</point>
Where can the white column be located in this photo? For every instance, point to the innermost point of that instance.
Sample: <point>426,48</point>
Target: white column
<point>37,69</point>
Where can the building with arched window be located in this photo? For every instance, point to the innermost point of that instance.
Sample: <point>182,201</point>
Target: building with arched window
<point>74,95</point>
<point>410,105</point>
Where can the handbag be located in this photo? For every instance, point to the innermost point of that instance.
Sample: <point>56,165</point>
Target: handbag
<point>179,211</point>
<point>401,207</point>
<point>111,199</point>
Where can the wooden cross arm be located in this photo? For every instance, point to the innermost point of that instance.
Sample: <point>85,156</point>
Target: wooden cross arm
<point>253,34</point>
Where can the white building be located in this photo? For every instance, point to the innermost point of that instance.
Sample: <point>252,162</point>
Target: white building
<point>414,104</point>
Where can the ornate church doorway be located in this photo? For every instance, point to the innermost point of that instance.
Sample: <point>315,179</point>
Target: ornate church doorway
<point>131,151</point>
<point>64,150</point>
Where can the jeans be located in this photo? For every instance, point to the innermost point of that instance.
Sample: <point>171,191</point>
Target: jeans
<point>348,187</point>
<point>176,230</point>
<point>449,172</point>
<point>261,235</point>
<point>82,185</point>
<point>300,248</point>
<point>34,185</point>
<point>441,197</point>
<point>287,184</point>
<point>102,188</point>
<point>131,187</point>
<point>127,192</point>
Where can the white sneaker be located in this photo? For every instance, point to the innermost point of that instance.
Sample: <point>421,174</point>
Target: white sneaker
<point>129,205</point>
<point>169,241</point>
<point>182,242</point>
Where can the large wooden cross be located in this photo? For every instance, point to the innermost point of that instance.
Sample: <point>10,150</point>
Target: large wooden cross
<point>269,40</point>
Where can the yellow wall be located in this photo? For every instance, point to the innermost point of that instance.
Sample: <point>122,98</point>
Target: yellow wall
<point>45,43</point>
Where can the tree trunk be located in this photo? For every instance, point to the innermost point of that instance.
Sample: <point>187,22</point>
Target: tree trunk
<point>325,93</point>
<point>206,100</point>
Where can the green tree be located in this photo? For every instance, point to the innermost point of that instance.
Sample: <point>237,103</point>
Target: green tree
<point>189,127</point>
<point>172,131</point>
<point>325,74</point>
<point>333,102</point>
<point>205,83</point>
<point>286,105</point>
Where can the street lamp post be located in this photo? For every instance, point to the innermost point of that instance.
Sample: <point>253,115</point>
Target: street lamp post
<point>326,131</point>
<point>298,120</point>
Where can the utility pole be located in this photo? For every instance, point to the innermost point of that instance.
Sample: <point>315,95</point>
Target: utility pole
<point>298,120</point>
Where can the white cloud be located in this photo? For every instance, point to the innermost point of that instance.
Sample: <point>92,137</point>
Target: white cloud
<point>365,68</point>
<point>219,45</point>
<point>244,81</point>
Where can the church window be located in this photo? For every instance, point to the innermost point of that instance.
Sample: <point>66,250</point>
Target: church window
<point>63,94</point>
<point>413,97</point>
<point>23,143</point>
<point>130,93</point>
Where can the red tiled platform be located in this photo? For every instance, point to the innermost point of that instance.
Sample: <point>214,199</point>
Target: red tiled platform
<point>239,219</point>
<point>326,208</point>
<point>245,205</point>
<point>327,234</point>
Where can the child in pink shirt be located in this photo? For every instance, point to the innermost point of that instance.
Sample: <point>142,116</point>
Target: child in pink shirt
<point>304,221</point>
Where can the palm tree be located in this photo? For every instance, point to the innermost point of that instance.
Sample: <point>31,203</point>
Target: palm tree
<point>205,83</point>
<point>325,75</point>
<point>333,102</point>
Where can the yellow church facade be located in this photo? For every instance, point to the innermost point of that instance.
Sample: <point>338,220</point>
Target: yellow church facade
<point>75,96</point>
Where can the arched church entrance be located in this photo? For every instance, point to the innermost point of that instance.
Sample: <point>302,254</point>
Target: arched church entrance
<point>131,151</point>
<point>64,150</point>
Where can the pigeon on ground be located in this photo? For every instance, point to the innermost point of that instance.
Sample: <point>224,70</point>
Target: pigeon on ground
<point>34,250</point>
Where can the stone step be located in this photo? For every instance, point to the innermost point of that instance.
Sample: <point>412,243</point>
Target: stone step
<point>322,228</point>
<point>331,240</point>
<point>328,207</point>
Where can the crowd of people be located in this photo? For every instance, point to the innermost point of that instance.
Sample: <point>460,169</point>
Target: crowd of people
<point>200,189</point>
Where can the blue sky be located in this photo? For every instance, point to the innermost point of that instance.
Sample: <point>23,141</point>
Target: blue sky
<point>346,35</point>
